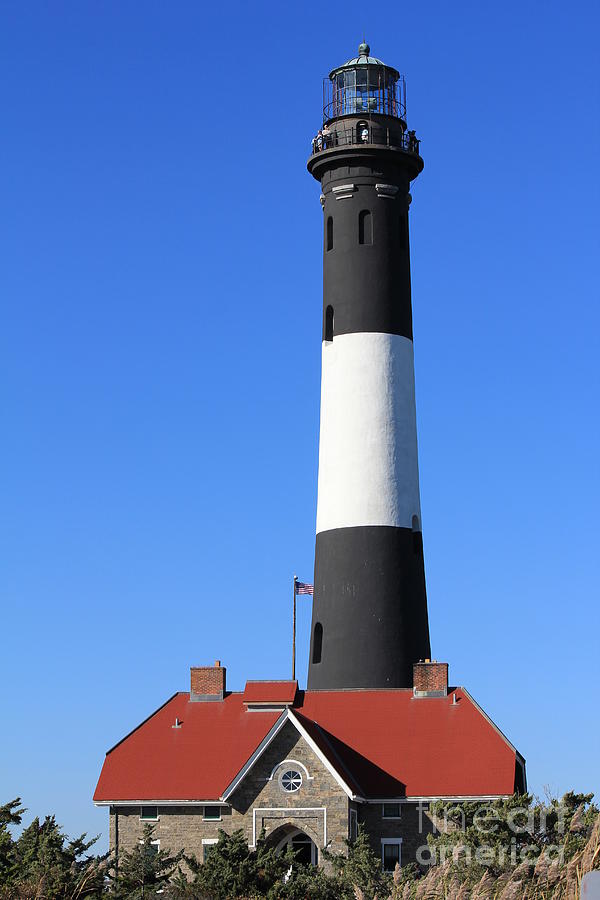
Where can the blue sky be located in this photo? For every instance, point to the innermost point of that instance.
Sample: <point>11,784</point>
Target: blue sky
<point>160,275</point>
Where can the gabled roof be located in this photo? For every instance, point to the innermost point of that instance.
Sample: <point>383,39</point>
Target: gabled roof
<point>377,745</point>
<point>321,752</point>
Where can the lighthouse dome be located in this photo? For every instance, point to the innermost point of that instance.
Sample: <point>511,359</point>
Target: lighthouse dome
<point>364,58</point>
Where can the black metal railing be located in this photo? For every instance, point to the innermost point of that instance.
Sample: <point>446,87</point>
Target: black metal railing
<point>366,134</point>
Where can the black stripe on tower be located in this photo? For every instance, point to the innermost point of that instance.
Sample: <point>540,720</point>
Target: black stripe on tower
<point>366,266</point>
<point>370,615</point>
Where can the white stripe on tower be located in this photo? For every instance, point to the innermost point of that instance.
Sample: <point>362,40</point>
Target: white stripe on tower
<point>368,468</point>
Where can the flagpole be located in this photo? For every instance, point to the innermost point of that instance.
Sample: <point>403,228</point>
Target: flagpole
<point>294,631</point>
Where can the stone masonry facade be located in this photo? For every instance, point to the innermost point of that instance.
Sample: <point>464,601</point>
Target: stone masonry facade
<point>320,808</point>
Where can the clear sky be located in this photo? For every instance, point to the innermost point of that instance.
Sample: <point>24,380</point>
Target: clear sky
<point>160,276</point>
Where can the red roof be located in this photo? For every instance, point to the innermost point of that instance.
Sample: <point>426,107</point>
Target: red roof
<point>381,743</point>
<point>270,691</point>
<point>397,745</point>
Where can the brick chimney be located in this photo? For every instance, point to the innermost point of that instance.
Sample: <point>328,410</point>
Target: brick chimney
<point>430,678</point>
<point>207,682</point>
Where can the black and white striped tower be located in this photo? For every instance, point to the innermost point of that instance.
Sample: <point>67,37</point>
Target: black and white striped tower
<point>370,608</point>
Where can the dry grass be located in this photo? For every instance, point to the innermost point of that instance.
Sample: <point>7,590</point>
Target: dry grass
<point>544,881</point>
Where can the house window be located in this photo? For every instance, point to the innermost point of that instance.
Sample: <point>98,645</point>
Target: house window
<point>212,814</point>
<point>208,845</point>
<point>391,811</point>
<point>353,825</point>
<point>149,813</point>
<point>291,780</point>
<point>328,336</point>
<point>153,848</point>
<point>365,227</point>
<point>390,853</point>
<point>329,238</point>
<point>317,643</point>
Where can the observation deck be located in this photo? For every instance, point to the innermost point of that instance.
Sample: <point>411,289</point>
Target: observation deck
<point>364,112</point>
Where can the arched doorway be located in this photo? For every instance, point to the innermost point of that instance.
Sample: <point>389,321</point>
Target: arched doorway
<point>303,847</point>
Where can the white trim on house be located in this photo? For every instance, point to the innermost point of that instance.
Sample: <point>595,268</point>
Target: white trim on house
<point>319,753</point>
<point>288,809</point>
<point>287,716</point>
<point>292,762</point>
<point>217,802</point>
<point>465,798</point>
<point>256,755</point>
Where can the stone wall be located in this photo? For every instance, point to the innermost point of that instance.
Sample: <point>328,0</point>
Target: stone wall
<point>413,826</point>
<point>319,808</point>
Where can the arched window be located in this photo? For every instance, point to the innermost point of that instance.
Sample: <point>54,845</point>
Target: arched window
<point>417,537</point>
<point>403,233</point>
<point>329,236</point>
<point>365,227</point>
<point>317,643</point>
<point>328,336</point>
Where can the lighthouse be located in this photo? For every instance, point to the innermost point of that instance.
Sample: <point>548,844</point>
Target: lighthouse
<point>369,623</point>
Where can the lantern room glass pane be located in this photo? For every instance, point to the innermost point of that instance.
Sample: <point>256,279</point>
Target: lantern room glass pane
<point>365,89</point>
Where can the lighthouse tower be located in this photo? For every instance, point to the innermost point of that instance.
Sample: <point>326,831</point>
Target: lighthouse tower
<point>370,608</point>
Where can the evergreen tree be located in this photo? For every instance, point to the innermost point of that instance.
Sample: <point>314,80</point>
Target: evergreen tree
<point>143,871</point>
<point>10,814</point>
<point>233,870</point>
<point>56,866</point>
<point>361,868</point>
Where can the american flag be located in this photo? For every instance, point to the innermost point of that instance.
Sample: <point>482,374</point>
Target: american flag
<point>302,588</point>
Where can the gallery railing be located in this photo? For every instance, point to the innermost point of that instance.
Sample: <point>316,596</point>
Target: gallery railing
<point>371,134</point>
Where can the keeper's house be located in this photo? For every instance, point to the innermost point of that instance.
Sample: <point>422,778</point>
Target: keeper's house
<point>307,766</point>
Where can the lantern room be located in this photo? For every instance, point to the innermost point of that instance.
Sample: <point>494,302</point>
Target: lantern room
<point>364,85</point>
<point>364,105</point>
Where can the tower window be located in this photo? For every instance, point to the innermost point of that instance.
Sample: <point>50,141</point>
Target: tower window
<point>416,536</point>
<point>328,324</point>
<point>317,643</point>
<point>329,236</point>
<point>403,223</point>
<point>365,227</point>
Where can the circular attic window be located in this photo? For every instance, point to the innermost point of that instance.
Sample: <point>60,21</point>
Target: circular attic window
<point>291,780</point>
